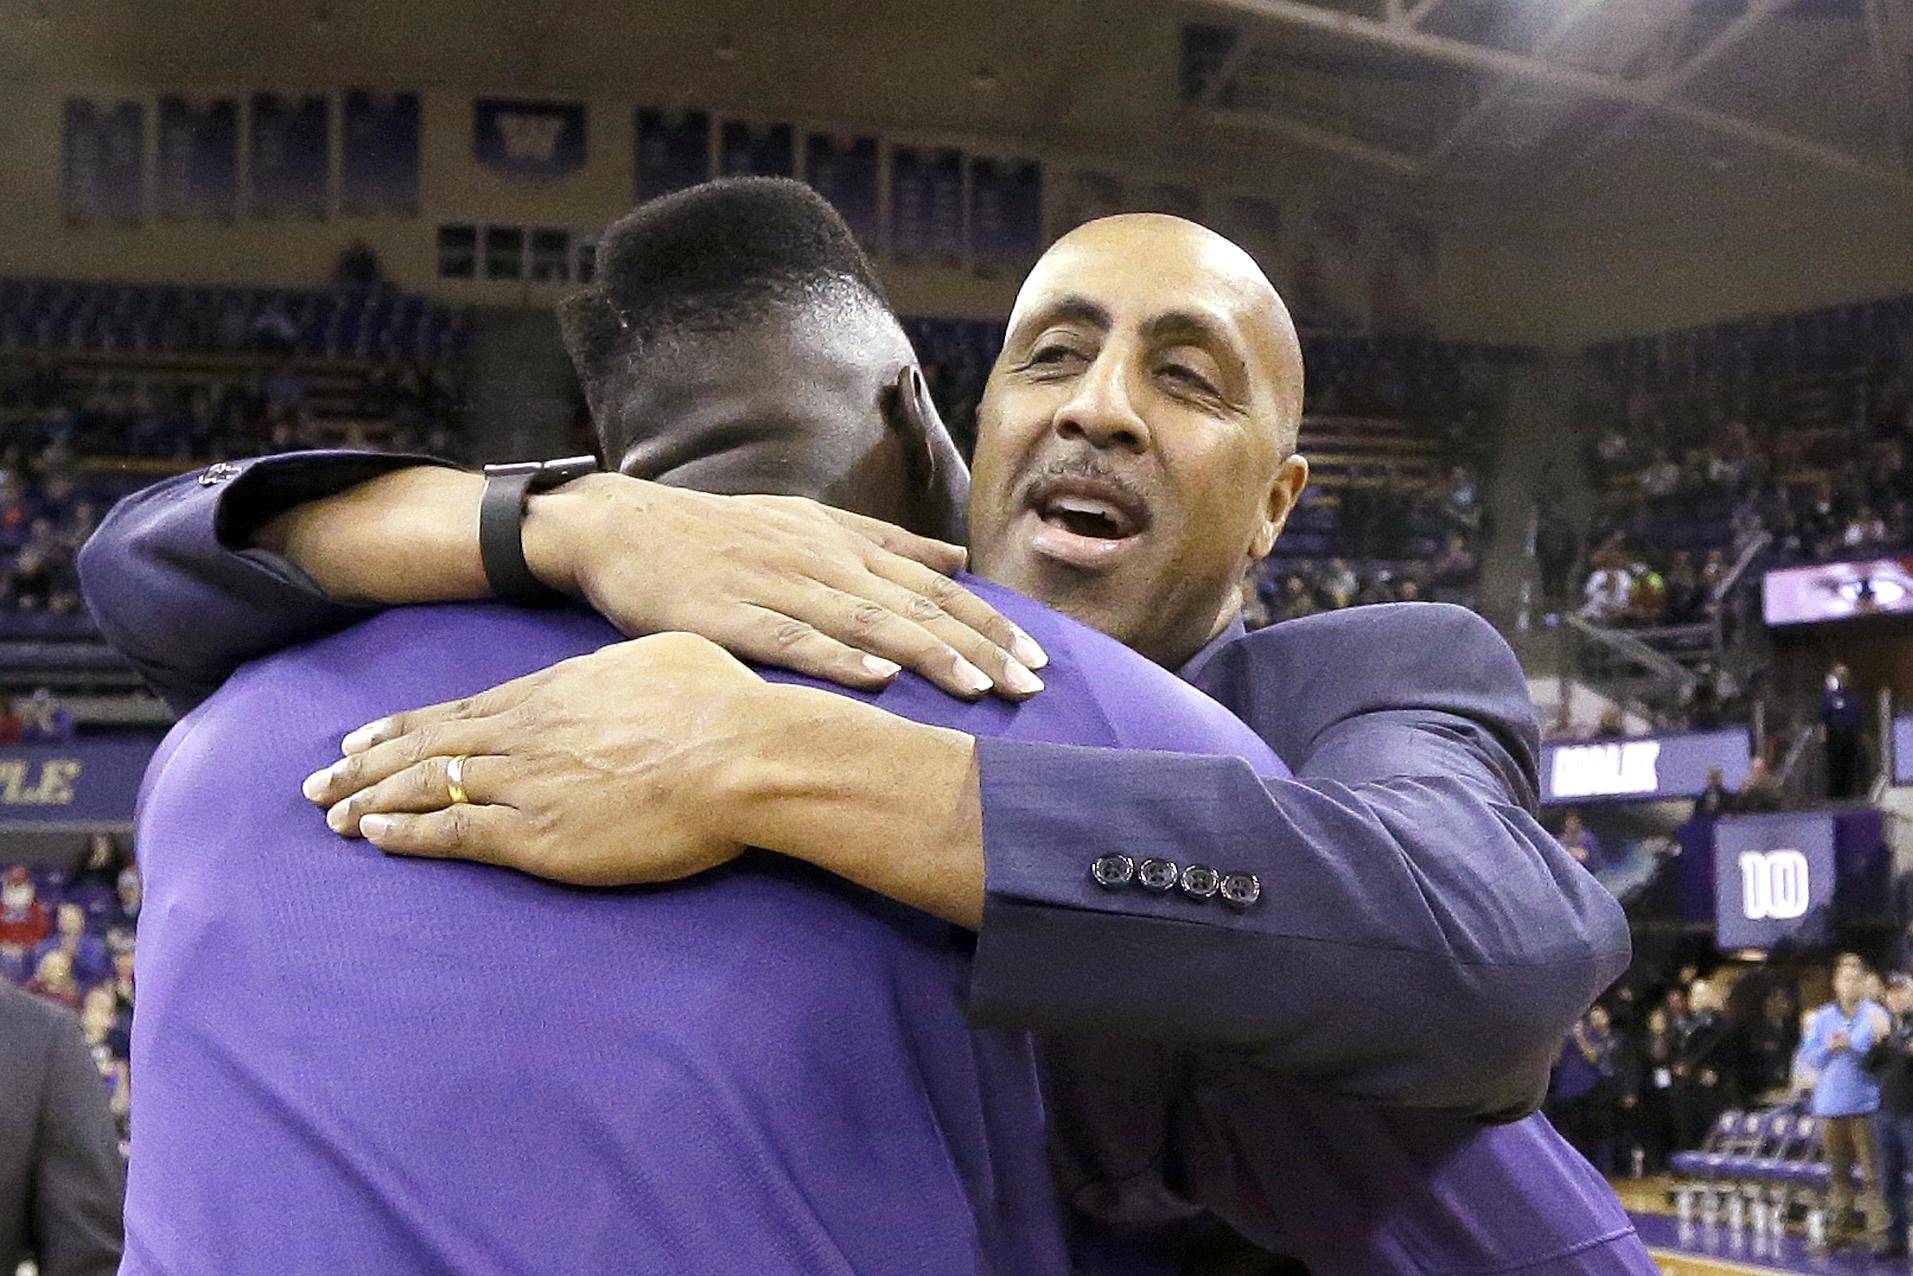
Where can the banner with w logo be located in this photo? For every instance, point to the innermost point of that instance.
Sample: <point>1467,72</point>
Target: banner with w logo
<point>536,140</point>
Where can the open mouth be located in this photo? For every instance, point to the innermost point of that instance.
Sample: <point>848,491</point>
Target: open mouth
<point>1085,522</point>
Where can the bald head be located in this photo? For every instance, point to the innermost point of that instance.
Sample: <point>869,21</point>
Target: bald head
<point>1206,268</point>
<point>1136,442</point>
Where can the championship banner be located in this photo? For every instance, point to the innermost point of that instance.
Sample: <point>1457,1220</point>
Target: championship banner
<point>1643,768</point>
<point>844,171</point>
<point>1774,879</point>
<point>1006,214</point>
<point>755,150</point>
<point>103,161</point>
<point>672,150</point>
<point>1903,750</point>
<point>198,167</point>
<point>290,155</point>
<point>926,205</point>
<point>77,783</point>
<point>379,157</point>
<point>535,141</point>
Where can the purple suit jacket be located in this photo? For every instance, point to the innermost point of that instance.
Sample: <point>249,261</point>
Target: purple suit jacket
<point>1422,942</point>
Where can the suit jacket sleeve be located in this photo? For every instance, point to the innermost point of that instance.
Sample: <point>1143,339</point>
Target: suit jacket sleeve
<point>79,1182</point>
<point>175,588</point>
<point>1420,939</point>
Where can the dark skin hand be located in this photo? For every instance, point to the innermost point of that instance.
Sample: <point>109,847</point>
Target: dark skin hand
<point>1148,351</point>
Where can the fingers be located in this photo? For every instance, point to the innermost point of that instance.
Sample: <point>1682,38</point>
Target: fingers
<point>771,637</point>
<point>940,556</point>
<point>964,607</point>
<point>484,705</point>
<point>487,834</point>
<point>425,786</point>
<point>342,779</point>
<point>864,618</point>
<point>931,610</point>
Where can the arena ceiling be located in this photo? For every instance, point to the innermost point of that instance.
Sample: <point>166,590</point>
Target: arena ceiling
<point>1528,105</point>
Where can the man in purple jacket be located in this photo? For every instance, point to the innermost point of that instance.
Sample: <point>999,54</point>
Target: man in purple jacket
<point>1431,774</point>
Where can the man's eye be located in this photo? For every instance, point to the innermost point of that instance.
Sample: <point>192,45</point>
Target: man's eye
<point>1052,355</point>
<point>1189,377</point>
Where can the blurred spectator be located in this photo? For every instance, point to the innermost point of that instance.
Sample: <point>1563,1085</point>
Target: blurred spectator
<point>1704,1069</point>
<point>1581,1091</point>
<point>1845,1095</point>
<point>1612,724</point>
<point>25,922</point>
<point>1767,1048</point>
<point>1555,548</point>
<point>1890,1062</point>
<point>64,1180</point>
<point>86,954</point>
<point>10,725</point>
<point>1842,719</point>
<point>42,721</point>
<point>1652,1117</point>
<point>1715,799</point>
<point>53,979</point>
<point>126,892</point>
<point>1579,841</point>
<point>358,266</point>
<point>1760,791</point>
<point>1607,592</point>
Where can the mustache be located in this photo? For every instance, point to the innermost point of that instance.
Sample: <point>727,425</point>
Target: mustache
<point>1081,465</point>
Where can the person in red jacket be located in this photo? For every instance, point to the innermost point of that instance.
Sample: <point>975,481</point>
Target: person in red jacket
<point>24,920</point>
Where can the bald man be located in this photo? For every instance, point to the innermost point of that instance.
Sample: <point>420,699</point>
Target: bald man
<point>1391,925</point>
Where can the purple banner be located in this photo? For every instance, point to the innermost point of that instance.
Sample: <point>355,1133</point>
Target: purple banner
<point>926,205</point>
<point>535,140</point>
<point>103,155</point>
<point>1903,750</point>
<point>673,151</point>
<point>1642,769</point>
<point>755,150</point>
<point>198,168</point>
<point>1774,880</point>
<point>1006,214</point>
<point>290,154</point>
<point>844,171</point>
<point>84,782</point>
<point>380,157</point>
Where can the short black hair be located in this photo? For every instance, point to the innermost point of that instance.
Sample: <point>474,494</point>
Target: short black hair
<point>708,259</point>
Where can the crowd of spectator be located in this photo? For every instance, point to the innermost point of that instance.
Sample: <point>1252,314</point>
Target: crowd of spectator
<point>1691,482</point>
<point>67,935</point>
<point>1648,1072</point>
<point>1400,541</point>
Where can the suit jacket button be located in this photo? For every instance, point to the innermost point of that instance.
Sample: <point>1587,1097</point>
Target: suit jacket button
<point>1199,881</point>
<point>1241,889</point>
<point>1113,871</point>
<point>1157,875</point>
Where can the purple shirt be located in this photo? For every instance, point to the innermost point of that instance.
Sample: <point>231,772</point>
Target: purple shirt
<point>352,1062</point>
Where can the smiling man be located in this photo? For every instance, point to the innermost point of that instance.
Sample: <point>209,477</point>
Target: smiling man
<point>1136,453</point>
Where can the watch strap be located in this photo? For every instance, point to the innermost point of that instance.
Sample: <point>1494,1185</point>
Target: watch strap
<point>501,526</point>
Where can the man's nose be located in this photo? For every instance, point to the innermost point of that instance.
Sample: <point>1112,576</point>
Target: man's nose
<point>1102,412</point>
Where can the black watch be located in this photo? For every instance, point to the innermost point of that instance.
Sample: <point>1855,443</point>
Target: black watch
<point>501,525</point>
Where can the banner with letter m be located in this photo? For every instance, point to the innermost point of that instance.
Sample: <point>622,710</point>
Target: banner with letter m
<point>535,140</point>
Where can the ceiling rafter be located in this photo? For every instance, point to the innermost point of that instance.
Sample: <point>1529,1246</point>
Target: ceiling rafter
<point>1317,138</point>
<point>1245,44</point>
<point>1564,24</point>
<point>1663,89</point>
<point>1647,97</point>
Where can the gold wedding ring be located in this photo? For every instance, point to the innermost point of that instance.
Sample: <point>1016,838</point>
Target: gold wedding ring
<point>455,780</point>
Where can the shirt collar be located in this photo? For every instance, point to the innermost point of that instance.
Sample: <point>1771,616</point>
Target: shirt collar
<point>1230,632</point>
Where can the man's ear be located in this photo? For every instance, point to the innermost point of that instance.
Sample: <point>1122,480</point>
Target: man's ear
<point>1290,478</point>
<point>938,476</point>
